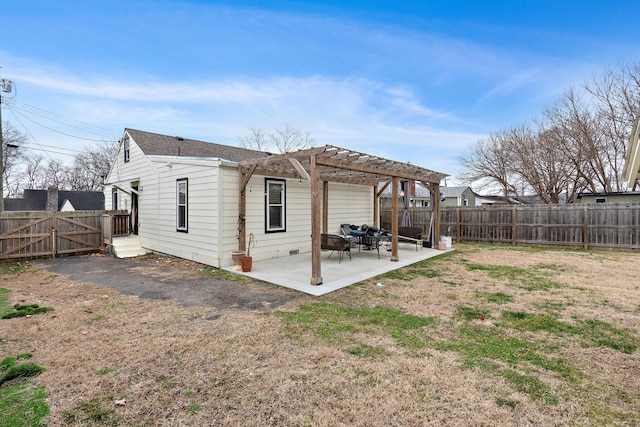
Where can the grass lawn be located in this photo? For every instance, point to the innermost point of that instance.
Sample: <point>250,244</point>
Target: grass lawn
<point>483,335</point>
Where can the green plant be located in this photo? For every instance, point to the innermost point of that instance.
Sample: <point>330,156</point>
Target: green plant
<point>10,369</point>
<point>96,410</point>
<point>593,332</point>
<point>5,307</point>
<point>366,350</point>
<point>107,370</point>
<point>194,407</point>
<point>497,297</point>
<point>336,323</point>
<point>21,310</point>
<point>490,349</point>
<point>22,404</point>
<point>472,313</point>
<point>13,268</point>
<point>97,318</point>
<point>532,279</point>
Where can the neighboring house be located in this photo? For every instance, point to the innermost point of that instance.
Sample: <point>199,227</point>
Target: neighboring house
<point>419,195</point>
<point>202,201</point>
<point>632,197</point>
<point>457,196</point>
<point>54,200</point>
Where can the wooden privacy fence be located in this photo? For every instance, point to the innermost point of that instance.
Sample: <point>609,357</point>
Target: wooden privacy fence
<point>47,234</point>
<point>420,217</point>
<point>606,226</point>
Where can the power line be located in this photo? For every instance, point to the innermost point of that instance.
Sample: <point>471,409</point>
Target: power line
<point>67,121</point>
<point>30,134</point>
<point>15,113</point>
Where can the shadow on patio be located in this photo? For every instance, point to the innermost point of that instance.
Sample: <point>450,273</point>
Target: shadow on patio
<point>294,272</point>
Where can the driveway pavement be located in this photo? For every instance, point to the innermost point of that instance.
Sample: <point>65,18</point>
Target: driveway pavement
<point>160,278</point>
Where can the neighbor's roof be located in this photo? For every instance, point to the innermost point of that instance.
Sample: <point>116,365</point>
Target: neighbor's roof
<point>155,144</point>
<point>421,191</point>
<point>452,191</point>
<point>36,200</point>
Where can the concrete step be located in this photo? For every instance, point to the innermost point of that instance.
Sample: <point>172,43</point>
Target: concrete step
<point>127,247</point>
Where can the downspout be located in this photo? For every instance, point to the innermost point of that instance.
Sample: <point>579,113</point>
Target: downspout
<point>220,236</point>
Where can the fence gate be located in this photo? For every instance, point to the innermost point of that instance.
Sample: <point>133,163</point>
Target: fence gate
<point>39,235</point>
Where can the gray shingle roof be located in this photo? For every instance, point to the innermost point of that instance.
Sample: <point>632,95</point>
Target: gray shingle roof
<point>452,191</point>
<point>155,144</point>
<point>36,200</point>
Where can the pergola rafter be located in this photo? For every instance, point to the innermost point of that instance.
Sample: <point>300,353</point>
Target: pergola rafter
<point>334,164</point>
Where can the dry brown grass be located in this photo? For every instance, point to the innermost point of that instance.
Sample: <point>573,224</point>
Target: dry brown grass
<point>120,360</point>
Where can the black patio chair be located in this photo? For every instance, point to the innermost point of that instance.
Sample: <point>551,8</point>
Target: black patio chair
<point>333,242</point>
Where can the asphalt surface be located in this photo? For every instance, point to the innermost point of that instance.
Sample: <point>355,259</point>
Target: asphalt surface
<point>147,278</point>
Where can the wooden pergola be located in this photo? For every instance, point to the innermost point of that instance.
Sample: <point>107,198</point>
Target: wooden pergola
<point>321,165</point>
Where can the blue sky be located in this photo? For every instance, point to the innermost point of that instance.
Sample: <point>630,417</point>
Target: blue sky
<point>412,81</point>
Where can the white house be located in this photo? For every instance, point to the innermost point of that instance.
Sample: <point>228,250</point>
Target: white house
<point>200,201</point>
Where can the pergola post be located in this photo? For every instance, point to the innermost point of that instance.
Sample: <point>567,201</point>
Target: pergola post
<point>436,215</point>
<point>394,219</point>
<point>325,207</point>
<point>242,211</point>
<point>375,206</point>
<point>316,260</point>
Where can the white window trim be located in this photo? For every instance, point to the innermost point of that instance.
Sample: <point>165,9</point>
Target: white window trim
<point>127,149</point>
<point>283,225</point>
<point>184,228</point>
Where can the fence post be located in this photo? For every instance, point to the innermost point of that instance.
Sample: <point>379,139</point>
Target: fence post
<point>585,228</point>
<point>54,239</point>
<point>514,227</point>
<point>458,225</point>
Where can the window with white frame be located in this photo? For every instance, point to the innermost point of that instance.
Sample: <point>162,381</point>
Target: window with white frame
<point>126,148</point>
<point>275,205</point>
<point>114,198</point>
<point>182,210</point>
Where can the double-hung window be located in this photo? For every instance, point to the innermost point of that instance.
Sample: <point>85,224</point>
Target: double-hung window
<point>114,198</point>
<point>182,210</point>
<point>126,148</point>
<point>275,205</point>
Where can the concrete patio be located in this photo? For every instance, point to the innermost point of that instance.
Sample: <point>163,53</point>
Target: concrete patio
<point>294,272</point>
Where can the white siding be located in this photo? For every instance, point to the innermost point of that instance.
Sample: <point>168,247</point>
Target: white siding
<point>158,224</point>
<point>157,203</point>
<point>347,204</point>
<point>213,208</point>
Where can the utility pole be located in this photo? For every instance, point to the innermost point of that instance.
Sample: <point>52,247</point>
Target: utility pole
<point>5,86</point>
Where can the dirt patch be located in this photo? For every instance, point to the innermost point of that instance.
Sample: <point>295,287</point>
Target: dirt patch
<point>120,351</point>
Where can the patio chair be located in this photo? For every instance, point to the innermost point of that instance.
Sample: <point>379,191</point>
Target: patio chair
<point>334,242</point>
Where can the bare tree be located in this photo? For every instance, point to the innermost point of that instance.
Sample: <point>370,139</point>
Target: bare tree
<point>12,141</point>
<point>290,139</point>
<point>34,175</point>
<point>89,168</point>
<point>580,142</point>
<point>283,140</point>
<point>254,140</point>
<point>490,162</point>
<point>55,174</point>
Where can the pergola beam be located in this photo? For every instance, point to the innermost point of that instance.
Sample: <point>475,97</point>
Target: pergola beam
<point>333,164</point>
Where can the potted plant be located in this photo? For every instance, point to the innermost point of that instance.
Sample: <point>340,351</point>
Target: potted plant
<point>247,261</point>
